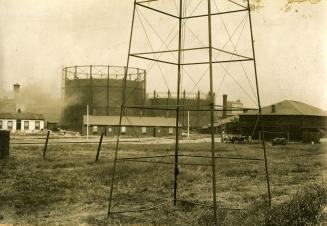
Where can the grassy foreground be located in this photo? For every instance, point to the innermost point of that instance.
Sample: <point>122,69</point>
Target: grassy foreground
<point>68,188</point>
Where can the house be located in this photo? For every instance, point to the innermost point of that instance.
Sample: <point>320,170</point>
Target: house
<point>293,120</point>
<point>131,126</point>
<point>24,122</point>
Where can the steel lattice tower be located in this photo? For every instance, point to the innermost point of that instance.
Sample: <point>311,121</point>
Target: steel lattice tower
<point>235,7</point>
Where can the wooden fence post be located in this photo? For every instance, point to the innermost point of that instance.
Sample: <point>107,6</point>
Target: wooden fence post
<point>46,144</point>
<point>99,148</point>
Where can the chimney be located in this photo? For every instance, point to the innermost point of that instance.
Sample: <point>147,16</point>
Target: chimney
<point>224,106</point>
<point>18,97</point>
<point>16,89</point>
<point>273,108</point>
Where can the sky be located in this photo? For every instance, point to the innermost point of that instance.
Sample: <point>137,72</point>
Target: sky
<point>39,37</point>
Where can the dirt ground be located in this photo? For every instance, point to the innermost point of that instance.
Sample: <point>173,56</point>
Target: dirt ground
<point>68,188</point>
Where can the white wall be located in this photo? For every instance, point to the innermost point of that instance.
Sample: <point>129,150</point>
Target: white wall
<point>31,125</point>
<point>5,124</point>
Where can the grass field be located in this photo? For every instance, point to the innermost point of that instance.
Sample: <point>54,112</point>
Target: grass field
<point>68,188</point>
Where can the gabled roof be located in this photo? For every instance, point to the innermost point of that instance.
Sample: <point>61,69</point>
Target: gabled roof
<point>130,121</point>
<point>22,116</point>
<point>290,107</point>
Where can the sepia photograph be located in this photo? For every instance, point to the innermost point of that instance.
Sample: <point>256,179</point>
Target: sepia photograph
<point>163,112</point>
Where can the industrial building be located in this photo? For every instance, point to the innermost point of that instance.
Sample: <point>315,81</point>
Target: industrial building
<point>100,88</point>
<point>293,120</point>
<point>23,111</point>
<point>195,110</point>
<point>13,117</point>
<point>131,126</point>
<point>234,108</point>
<point>226,120</point>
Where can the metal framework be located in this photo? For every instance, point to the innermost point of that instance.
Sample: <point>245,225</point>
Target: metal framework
<point>179,62</point>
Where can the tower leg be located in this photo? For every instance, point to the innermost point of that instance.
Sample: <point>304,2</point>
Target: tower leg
<point>212,106</point>
<point>259,106</point>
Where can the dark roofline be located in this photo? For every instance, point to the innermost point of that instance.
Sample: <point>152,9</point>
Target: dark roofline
<point>317,111</point>
<point>22,116</point>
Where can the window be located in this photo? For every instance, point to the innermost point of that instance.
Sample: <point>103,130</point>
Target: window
<point>171,130</point>
<point>26,125</point>
<point>9,125</point>
<point>0,124</point>
<point>123,129</point>
<point>143,130</point>
<point>95,129</point>
<point>109,129</point>
<point>37,125</point>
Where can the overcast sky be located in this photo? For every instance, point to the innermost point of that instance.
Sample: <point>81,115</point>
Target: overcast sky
<point>38,37</point>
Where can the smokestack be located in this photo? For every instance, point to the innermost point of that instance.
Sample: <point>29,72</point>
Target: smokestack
<point>18,98</point>
<point>224,106</point>
<point>16,89</point>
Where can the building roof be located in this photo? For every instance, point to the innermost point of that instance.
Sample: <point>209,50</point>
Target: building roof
<point>22,116</point>
<point>222,121</point>
<point>130,121</point>
<point>290,107</point>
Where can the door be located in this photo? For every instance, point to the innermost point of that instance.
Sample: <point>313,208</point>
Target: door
<point>19,124</point>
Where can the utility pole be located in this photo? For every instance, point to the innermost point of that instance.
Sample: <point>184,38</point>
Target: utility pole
<point>188,124</point>
<point>87,122</point>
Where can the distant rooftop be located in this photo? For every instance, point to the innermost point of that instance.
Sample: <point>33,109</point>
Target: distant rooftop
<point>22,116</point>
<point>290,107</point>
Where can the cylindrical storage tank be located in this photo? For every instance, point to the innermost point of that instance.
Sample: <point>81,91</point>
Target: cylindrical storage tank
<point>4,143</point>
<point>101,88</point>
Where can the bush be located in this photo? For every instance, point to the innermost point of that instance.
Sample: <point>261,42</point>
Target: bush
<point>303,208</point>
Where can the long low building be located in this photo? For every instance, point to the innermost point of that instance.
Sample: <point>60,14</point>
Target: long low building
<point>293,120</point>
<point>22,122</point>
<point>131,126</point>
